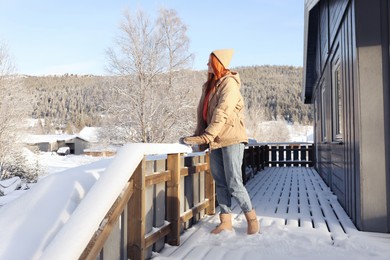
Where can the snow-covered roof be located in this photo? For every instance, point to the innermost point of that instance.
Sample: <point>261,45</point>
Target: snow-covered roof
<point>36,139</point>
<point>90,134</point>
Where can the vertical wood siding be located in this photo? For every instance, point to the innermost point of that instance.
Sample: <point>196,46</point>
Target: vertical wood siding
<point>387,100</point>
<point>337,159</point>
<point>336,12</point>
<point>351,170</point>
<point>356,165</point>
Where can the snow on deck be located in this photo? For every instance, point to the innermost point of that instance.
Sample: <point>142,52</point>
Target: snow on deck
<point>300,218</point>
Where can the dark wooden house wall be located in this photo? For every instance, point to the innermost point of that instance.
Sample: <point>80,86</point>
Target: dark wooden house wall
<point>335,157</point>
<point>372,73</point>
<point>387,97</point>
<point>352,53</point>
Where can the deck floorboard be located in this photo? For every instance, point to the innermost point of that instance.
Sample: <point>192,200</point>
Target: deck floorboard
<point>285,198</point>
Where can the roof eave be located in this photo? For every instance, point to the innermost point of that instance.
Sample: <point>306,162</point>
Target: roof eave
<point>310,25</point>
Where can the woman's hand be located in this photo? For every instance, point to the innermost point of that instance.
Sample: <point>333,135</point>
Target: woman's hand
<point>201,139</point>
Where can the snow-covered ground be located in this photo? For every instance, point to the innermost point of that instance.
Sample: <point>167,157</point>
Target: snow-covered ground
<point>300,218</point>
<point>52,163</point>
<point>32,220</point>
<point>280,131</point>
<point>29,219</point>
<point>275,242</point>
<point>49,163</point>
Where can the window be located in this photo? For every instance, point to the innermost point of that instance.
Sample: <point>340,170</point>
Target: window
<point>337,104</point>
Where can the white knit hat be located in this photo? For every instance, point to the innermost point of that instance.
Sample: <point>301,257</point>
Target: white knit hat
<point>224,56</point>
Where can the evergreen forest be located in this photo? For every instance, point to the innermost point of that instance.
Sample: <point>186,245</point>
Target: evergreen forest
<point>68,103</point>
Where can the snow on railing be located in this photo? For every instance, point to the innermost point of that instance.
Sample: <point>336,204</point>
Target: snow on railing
<point>76,233</point>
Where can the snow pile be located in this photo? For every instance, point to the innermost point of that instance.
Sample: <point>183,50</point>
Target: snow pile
<point>9,185</point>
<point>47,218</point>
<point>33,219</point>
<point>51,162</point>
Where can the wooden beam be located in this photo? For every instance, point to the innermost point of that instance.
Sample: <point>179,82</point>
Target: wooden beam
<point>209,188</point>
<point>194,210</point>
<point>136,215</point>
<point>162,232</point>
<point>184,171</point>
<point>201,167</point>
<point>157,178</point>
<point>188,170</point>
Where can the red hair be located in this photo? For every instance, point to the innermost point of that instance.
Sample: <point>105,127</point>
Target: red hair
<point>219,71</point>
<point>218,68</point>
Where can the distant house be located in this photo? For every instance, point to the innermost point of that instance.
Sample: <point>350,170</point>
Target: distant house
<point>51,143</point>
<point>346,78</point>
<point>44,143</point>
<point>96,148</point>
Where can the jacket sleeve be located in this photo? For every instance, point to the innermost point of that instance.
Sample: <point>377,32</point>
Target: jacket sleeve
<point>228,99</point>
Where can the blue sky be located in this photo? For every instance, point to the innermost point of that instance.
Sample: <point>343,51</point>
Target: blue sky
<point>71,36</point>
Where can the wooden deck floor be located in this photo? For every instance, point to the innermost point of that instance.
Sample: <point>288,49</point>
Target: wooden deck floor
<point>298,197</point>
<point>294,199</point>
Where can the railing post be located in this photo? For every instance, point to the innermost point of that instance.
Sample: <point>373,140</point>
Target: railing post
<point>304,157</point>
<point>274,150</point>
<point>311,155</point>
<point>209,188</point>
<point>266,156</point>
<point>136,215</point>
<point>262,156</point>
<point>202,184</point>
<point>281,149</point>
<point>296,154</point>
<point>252,157</point>
<point>288,155</point>
<point>173,199</point>
<point>257,160</point>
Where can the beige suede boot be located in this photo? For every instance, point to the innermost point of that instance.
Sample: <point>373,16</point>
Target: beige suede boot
<point>253,223</point>
<point>226,223</point>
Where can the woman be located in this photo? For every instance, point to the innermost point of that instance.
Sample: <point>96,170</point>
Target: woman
<point>220,125</point>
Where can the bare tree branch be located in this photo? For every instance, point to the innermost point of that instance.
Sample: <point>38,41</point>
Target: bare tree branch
<point>151,103</point>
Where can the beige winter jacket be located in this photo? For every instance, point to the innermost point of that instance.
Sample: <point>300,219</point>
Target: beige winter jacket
<point>225,117</point>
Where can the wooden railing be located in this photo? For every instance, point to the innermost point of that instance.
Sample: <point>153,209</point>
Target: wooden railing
<point>161,199</point>
<point>258,156</point>
<point>166,196</point>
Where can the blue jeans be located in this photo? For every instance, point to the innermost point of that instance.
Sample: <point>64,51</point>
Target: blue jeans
<point>225,166</point>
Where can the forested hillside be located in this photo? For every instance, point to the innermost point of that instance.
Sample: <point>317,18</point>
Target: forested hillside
<point>70,102</point>
<point>276,91</point>
<point>67,102</point>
